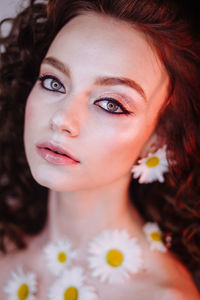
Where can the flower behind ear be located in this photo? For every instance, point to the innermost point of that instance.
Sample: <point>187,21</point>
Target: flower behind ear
<point>152,167</point>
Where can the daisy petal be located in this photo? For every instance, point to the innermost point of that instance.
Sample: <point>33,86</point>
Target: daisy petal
<point>59,256</point>
<point>70,286</point>
<point>21,285</point>
<point>113,255</point>
<point>154,236</point>
<point>152,167</point>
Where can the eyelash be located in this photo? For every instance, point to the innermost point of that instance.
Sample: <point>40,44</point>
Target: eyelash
<point>111,100</point>
<point>44,77</point>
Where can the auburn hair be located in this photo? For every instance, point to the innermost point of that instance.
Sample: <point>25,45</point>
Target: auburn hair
<point>174,204</point>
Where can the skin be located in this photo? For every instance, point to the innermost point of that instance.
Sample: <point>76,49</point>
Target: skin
<point>98,139</point>
<point>80,125</point>
<point>95,191</point>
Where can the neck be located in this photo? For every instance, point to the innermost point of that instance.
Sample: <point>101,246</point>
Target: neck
<point>80,215</point>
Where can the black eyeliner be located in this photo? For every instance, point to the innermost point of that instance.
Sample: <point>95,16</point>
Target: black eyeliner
<point>43,77</point>
<point>124,111</point>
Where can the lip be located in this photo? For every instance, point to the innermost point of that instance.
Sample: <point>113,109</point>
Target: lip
<point>47,151</point>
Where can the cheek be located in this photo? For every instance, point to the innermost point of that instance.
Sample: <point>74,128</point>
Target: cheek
<point>32,118</point>
<point>29,113</point>
<point>29,122</point>
<point>121,144</point>
<point>123,148</point>
<point>33,111</point>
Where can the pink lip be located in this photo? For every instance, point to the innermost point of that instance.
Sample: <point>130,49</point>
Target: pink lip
<point>47,151</point>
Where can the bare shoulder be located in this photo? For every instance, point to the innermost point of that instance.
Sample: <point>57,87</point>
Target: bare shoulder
<point>177,294</point>
<point>171,280</point>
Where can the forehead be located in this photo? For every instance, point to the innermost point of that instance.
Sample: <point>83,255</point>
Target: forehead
<point>98,45</point>
<point>95,32</point>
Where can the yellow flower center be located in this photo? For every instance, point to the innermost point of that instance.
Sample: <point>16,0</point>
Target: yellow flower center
<point>152,162</point>
<point>62,257</point>
<point>114,258</point>
<point>23,292</point>
<point>71,293</point>
<point>156,236</point>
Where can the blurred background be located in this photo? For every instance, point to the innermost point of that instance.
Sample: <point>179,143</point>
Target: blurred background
<point>9,8</point>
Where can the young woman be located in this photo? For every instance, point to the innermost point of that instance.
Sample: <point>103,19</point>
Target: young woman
<point>111,153</point>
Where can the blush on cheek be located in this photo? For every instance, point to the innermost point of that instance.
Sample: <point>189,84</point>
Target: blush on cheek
<point>29,111</point>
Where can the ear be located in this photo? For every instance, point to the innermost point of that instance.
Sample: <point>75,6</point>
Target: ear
<point>154,142</point>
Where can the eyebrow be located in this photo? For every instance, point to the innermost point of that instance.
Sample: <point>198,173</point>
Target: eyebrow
<point>100,80</point>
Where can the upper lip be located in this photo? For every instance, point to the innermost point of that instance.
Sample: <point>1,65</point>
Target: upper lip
<point>55,147</point>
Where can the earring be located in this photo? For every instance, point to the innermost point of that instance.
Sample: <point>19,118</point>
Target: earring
<point>152,167</point>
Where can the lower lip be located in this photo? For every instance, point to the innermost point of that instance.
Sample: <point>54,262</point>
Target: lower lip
<point>54,158</point>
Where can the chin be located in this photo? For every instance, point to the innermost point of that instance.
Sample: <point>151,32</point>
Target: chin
<point>53,182</point>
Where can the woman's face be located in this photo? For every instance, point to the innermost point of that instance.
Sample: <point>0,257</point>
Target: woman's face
<point>100,90</point>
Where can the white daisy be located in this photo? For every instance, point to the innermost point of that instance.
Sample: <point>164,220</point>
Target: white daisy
<point>113,255</point>
<point>21,286</point>
<point>154,236</point>
<point>59,255</point>
<point>152,167</point>
<point>69,286</point>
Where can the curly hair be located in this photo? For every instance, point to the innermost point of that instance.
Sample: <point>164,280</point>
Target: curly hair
<point>175,204</point>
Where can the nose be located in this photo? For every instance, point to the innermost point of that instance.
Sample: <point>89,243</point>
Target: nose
<point>67,120</point>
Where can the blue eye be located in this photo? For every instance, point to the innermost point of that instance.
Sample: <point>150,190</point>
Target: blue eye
<point>51,83</point>
<point>112,106</point>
